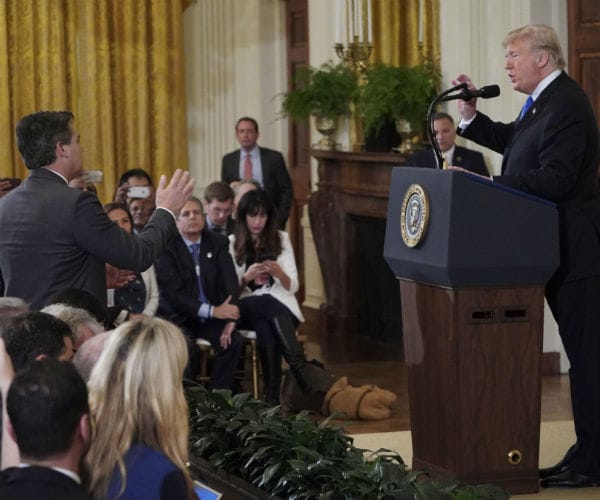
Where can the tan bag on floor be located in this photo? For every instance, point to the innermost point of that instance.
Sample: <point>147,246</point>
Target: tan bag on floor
<point>367,402</point>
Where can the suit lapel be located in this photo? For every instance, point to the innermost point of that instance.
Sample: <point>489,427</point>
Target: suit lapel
<point>207,263</point>
<point>264,165</point>
<point>185,263</point>
<point>458,159</point>
<point>531,116</point>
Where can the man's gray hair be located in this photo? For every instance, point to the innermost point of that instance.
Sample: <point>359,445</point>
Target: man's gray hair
<point>541,37</point>
<point>75,318</point>
<point>12,306</point>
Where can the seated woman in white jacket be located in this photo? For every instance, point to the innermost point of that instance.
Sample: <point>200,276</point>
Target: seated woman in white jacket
<point>265,265</point>
<point>139,297</point>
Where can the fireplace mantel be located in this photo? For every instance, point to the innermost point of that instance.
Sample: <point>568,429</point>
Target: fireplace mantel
<point>349,184</point>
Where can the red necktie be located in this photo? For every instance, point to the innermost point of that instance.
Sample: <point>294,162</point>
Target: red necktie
<point>248,167</point>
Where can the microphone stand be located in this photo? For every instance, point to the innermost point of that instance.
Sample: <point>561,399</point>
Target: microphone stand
<point>439,159</point>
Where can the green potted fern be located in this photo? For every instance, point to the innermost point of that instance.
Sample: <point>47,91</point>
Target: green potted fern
<point>397,95</point>
<point>326,93</point>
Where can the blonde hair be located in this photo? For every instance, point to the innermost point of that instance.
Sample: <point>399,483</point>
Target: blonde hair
<point>136,397</point>
<point>541,37</point>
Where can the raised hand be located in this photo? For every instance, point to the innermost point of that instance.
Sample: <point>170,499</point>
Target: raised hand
<point>467,109</point>
<point>174,195</point>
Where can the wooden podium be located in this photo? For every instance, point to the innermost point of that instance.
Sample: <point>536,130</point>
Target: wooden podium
<point>472,289</point>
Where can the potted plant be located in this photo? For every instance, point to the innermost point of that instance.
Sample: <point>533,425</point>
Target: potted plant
<point>397,94</point>
<point>236,438</point>
<point>326,93</point>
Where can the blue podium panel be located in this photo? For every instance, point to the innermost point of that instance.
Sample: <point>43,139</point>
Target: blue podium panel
<point>461,230</point>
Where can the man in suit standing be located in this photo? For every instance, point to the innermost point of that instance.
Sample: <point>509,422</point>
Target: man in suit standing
<point>198,291</point>
<point>445,136</point>
<point>552,150</point>
<point>47,405</point>
<point>55,237</point>
<point>264,165</point>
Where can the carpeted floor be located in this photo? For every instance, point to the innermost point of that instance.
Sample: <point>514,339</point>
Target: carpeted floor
<point>555,439</point>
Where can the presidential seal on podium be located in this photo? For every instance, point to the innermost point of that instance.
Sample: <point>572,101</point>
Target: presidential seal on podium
<point>414,216</point>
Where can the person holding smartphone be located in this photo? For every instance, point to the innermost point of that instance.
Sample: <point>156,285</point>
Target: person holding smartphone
<point>136,190</point>
<point>130,186</point>
<point>266,269</point>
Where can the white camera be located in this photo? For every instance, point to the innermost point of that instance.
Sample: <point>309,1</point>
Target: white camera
<point>138,192</point>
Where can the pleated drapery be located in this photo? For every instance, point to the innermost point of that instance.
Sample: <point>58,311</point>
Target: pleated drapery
<point>396,32</point>
<point>117,64</point>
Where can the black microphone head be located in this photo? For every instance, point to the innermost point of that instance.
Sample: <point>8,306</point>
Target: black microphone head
<point>488,91</point>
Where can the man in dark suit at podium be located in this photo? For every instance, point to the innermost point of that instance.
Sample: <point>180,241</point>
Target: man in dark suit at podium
<point>552,150</point>
<point>445,135</point>
<point>265,166</point>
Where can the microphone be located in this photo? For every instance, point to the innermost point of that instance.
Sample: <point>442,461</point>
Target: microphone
<point>485,92</point>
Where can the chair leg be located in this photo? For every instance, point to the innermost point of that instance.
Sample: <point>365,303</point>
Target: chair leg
<point>206,352</point>
<point>254,368</point>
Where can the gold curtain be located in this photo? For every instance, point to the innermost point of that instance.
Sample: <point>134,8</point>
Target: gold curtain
<point>117,64</point>
<point>396,32</point>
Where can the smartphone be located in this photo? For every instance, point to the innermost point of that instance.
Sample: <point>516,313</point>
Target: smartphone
<point>138,192</point>
<point>13,182</point>
<point>92,176</point>
<point>261,257</point>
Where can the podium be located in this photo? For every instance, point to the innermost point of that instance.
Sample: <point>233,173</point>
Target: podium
<point>472,257</point>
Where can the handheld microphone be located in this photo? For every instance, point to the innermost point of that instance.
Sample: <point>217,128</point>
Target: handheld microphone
<point>485,92</point>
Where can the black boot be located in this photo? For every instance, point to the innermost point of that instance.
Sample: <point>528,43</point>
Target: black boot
<point>270,360</point>
<point>293,353</point>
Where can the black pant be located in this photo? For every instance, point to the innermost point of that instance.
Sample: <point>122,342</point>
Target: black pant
<point>256,313</point>
<point>226,360</point>
<point>576,308</point>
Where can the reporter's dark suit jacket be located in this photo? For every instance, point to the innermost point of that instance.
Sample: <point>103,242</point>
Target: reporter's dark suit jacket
<point>276,179</point>
<point>33,483</point>
<point>53,237</point>
<point>178,302</point>
<point>463,157</point>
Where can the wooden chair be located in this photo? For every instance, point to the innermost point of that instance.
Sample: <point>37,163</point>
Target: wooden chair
<point>207,352</point>
<point>249,336</point>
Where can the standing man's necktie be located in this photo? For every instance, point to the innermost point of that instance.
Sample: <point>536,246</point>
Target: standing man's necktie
<point>525,107</point>
<point>195,248</point>
<point>248,167</point>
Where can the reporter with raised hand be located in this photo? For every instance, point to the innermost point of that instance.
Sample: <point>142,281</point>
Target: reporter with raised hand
<point>55,237</point>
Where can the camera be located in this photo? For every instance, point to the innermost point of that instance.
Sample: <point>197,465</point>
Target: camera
<point>138,192</point>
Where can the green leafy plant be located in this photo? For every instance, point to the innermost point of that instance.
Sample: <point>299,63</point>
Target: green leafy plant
<point>327,92</point>
<point>394,92</point>
<point>294,457</point>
